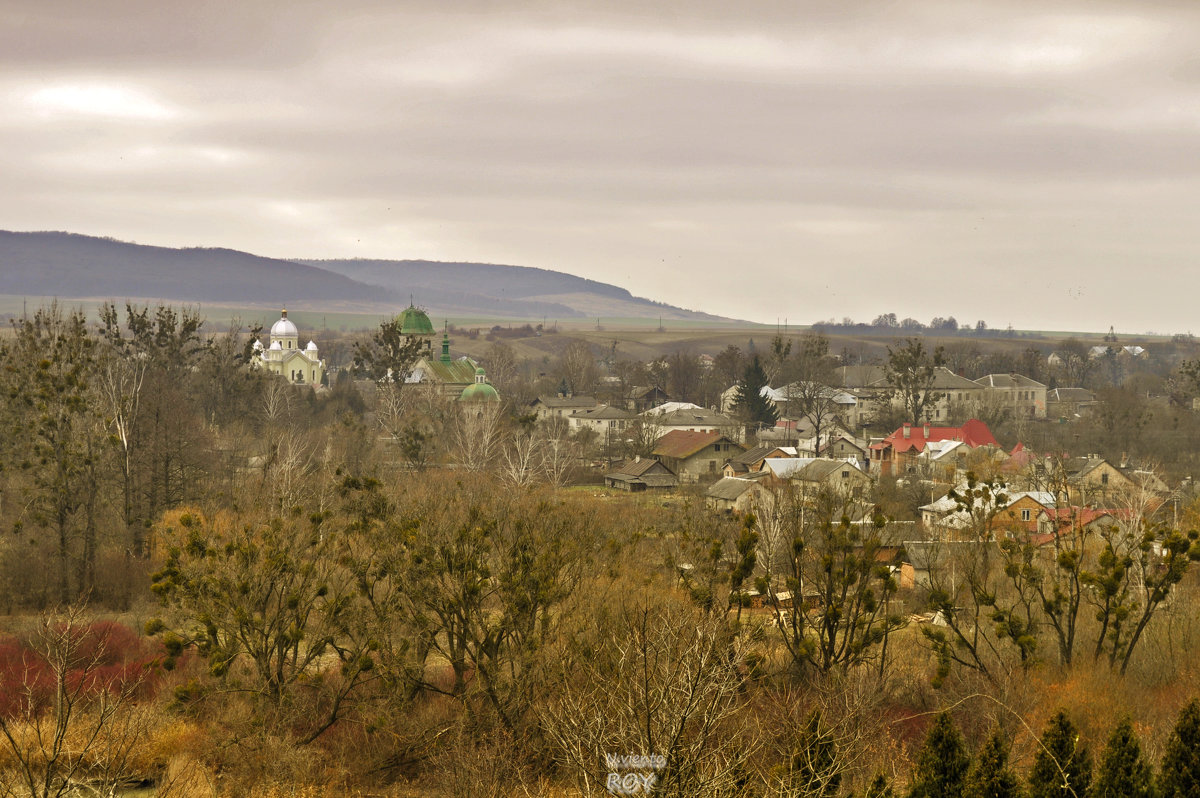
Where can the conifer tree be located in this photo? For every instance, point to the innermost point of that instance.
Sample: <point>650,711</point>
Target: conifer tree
<point>942,764</point>
<point>1180,774</point>
<point>992,777</point>
<point>749,401</point>
<point>1063,766</point>
<point>815,771</point>
<point>1123,772</point>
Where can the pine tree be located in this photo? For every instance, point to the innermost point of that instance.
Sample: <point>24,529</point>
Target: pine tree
<point>815,771</point>
<point>1180,774</point>
<point>1063,767</point>
<point>749,401</point>
<point>1123,772</point>
<point>942,764</point>
<point>992,777</point>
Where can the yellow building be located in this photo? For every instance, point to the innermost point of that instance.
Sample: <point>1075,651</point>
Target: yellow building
<point>284,356</point>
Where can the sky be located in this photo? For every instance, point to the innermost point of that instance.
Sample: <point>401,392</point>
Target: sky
<point>1026,163</point>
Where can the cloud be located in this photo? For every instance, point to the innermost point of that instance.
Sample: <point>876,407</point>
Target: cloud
<point>664,147</point>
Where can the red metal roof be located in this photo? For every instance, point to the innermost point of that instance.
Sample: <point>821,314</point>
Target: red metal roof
<point>974,433</point>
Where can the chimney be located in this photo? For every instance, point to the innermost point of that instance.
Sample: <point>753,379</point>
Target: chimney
<point>637,458</point>
<point>927,432</point>
<point>907,430</point>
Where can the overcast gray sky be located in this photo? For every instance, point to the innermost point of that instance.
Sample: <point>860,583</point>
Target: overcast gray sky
<point>1032,163</point>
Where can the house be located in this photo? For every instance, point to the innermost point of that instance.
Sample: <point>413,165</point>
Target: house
<point>561,406</point>
<point>669,417</point>
<point>844,476</point>
<point>897,453</point>
<point>732,494</point>
<point>1092,480</point>
<point>751,460</point>
<point>1006,513</point>
<point>956,395</point>
<point>1026,397</point>
<point>845,405</point>
<point>639,474</point>
<point>642,398</point>
<point>841,446</point>
<point>693,455</point>
<point>1068,403</point>
<point>605,421</point>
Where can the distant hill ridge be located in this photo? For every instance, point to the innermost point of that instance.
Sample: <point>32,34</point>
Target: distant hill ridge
<point>70,265</point>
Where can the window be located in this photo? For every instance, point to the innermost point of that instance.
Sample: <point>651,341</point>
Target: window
<point>1025,515</point>
<point>845,475</point>
<point>1104,479</point>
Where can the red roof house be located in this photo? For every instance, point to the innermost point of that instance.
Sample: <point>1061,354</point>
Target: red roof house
<point>909,441</point>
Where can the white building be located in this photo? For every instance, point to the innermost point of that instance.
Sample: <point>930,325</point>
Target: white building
<point>284,355</point>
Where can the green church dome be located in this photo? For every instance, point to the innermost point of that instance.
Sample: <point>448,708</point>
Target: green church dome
<point>480,391</point>
<point>414,321</point>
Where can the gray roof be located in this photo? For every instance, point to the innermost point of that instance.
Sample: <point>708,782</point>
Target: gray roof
<point>681,418</point>
<point>565,401</point>
<point>603,412</point>
<point>1008,381</point>
<point>638,468</point>
<point>1070,395</point>
<point>943,380</point>
<point>729,488</point>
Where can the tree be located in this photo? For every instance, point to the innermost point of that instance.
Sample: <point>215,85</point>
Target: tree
<point>1123,771</point>
<point>832,559</point>
<point>815,771</point>
<point>912,372</point>
<point>749,402</point>
<point>578,367</point>
<point>660,678</point>
<point>992,777</point>
<point>70,723</point>
<point>57,435</point>
<point>942,763</point>
<point>1063,766</point>
<point>1180,774</point>
<point>810,394</point>
<point>390,354</point>
<point>269,594</point>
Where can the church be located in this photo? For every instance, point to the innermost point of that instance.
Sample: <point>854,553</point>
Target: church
<point>285,357</point>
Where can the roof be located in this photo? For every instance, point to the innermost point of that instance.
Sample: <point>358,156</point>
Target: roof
<point>974,433</point>
<point>582,402</point>
<point>729,488</point>
<point>1008,381</point>
<point>456,372</point>
<point>1070,395</point>
<point>857,376</point>
<point>794,389</point>
<point>638,468</point>
<point>479,392</point>
<point>414,321</point>
<point>679,443</point>
<point>806,469</point>
<point>284,328</point>
<point>698,416</point>
<point>943,380</point>
<point>601,412</point>
<point>757,453</point>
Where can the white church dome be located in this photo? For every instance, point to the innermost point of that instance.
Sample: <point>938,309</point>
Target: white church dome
<point>276,346</point>
<point>284,328</point>
<point>312,346</point>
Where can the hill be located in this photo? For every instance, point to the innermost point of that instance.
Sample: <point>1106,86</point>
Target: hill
<point>69,265</point>
<point>76,266</point>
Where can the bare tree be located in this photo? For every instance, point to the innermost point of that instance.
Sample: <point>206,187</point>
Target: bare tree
<point>660,693</point>
<point>84,732</point>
